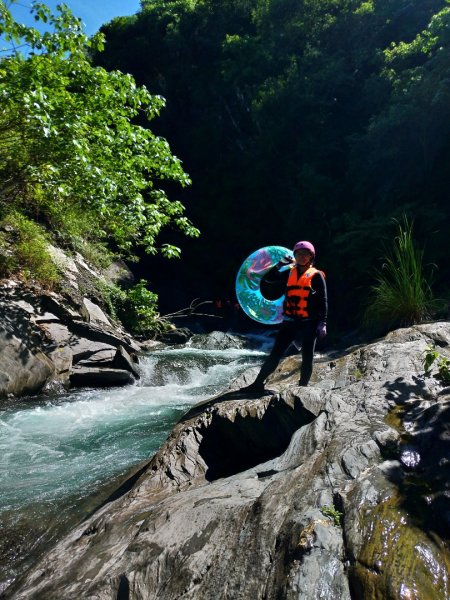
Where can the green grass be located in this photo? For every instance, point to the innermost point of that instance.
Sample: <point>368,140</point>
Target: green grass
<point>401,295</point>
<point>24,251</point>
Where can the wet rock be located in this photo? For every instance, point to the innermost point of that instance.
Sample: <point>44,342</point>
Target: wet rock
<point>218,340</point>
<point>149,345</point>
<point>175,336</point>
<point>410,458</point>
<point>99,377</point>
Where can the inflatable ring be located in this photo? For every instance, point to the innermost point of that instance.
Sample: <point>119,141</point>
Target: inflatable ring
<point>248,285</point>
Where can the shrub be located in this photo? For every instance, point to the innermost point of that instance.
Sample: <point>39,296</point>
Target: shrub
<point>431,358</point>
<point>24,251</point>
<point>138,310</point>
<point>401,294</point>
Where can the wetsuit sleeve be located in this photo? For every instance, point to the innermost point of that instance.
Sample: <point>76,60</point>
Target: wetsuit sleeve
<point>319,286</point>
<point>274,276</point>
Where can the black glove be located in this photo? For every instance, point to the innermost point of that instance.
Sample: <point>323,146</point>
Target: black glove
<point>285,261</point>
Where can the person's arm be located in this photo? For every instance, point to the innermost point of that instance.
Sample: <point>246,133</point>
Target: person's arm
<point>319,286</point>
<point>275,276</point>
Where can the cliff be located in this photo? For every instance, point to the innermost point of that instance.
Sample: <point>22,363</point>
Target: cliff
<point>335,491</point>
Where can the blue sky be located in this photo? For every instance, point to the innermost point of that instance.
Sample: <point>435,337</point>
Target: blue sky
<point>93,13</point>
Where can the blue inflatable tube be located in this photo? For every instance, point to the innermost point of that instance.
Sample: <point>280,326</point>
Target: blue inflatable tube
<point>248,285</point>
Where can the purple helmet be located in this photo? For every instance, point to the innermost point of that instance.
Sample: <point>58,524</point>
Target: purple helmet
<point>304,246</point>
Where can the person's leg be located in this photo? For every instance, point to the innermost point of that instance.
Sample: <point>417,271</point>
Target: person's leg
<point>309,337</point>
<point>286,334</point>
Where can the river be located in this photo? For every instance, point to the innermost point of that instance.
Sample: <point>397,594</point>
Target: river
<point>60,457</point>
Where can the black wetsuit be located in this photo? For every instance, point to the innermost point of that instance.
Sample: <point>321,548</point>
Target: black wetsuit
<point>298,329</point>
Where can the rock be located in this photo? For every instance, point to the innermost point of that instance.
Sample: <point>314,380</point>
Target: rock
<point>47,317</point>
<point>97,334</point>
<point>93,313</point>
<point>99,377</point>
<point>122,360</point>
<point>62,359</point>
<point>149,345</point>
<point>43,338</point>
<point>285,496</point>
<point>104,357</point>
<point>119,274</point>
<point>65,263</point>
<point>218,340</point>
<point>53,304</point>
<point>175,336</point>
<point>24,369</point>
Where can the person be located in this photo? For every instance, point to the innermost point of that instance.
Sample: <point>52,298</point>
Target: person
<point>304,312</point>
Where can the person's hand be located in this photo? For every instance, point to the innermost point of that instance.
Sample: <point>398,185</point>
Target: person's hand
<point>321,330</point>
<point>285,261</point>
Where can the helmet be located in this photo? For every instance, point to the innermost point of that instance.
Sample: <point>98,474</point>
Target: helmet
<point>304,246</point>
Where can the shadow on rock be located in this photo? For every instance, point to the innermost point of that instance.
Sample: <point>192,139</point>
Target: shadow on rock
<point>423,473</point>
<point>402,391</point>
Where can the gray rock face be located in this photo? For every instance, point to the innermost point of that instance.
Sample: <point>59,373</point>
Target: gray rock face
<point>218,340</point>
<point>23,368</point>
<point>44,344</point>
<point>119,273</point>
<point>299,495</point>
<point>93,313</point>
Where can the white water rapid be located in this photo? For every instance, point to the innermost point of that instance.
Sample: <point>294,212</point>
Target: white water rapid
<point>57,454</point>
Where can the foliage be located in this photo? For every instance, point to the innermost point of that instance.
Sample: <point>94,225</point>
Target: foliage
<point>332,513</point>
<point>401,294</point>
<point>137,308</point>
<point>75,152</point>
<point>24,249</point>
<point>431,357</point>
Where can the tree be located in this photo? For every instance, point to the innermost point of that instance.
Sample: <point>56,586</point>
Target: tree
<point>74,155</point>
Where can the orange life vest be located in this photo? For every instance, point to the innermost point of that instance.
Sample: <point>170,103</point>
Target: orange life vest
<point>298,291</point>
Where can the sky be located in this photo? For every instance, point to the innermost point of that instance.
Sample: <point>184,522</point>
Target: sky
<point>93,13</point>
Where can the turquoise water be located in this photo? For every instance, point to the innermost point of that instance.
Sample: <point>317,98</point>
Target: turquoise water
<point>61,456</point>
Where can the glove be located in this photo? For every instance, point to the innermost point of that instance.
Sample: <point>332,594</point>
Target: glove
<point>285,261</point>
<point>321,330</point>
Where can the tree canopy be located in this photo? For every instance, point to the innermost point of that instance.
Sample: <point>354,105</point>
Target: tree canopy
<point>76,154</point>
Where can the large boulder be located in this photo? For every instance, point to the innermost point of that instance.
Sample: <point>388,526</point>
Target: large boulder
<point>219,340</point>
<point>304,494</point>
<point>24,365</point>
<point>24,369</point>
<point>46,346</point>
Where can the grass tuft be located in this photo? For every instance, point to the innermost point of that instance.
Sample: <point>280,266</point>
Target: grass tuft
<point>401,295</point>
